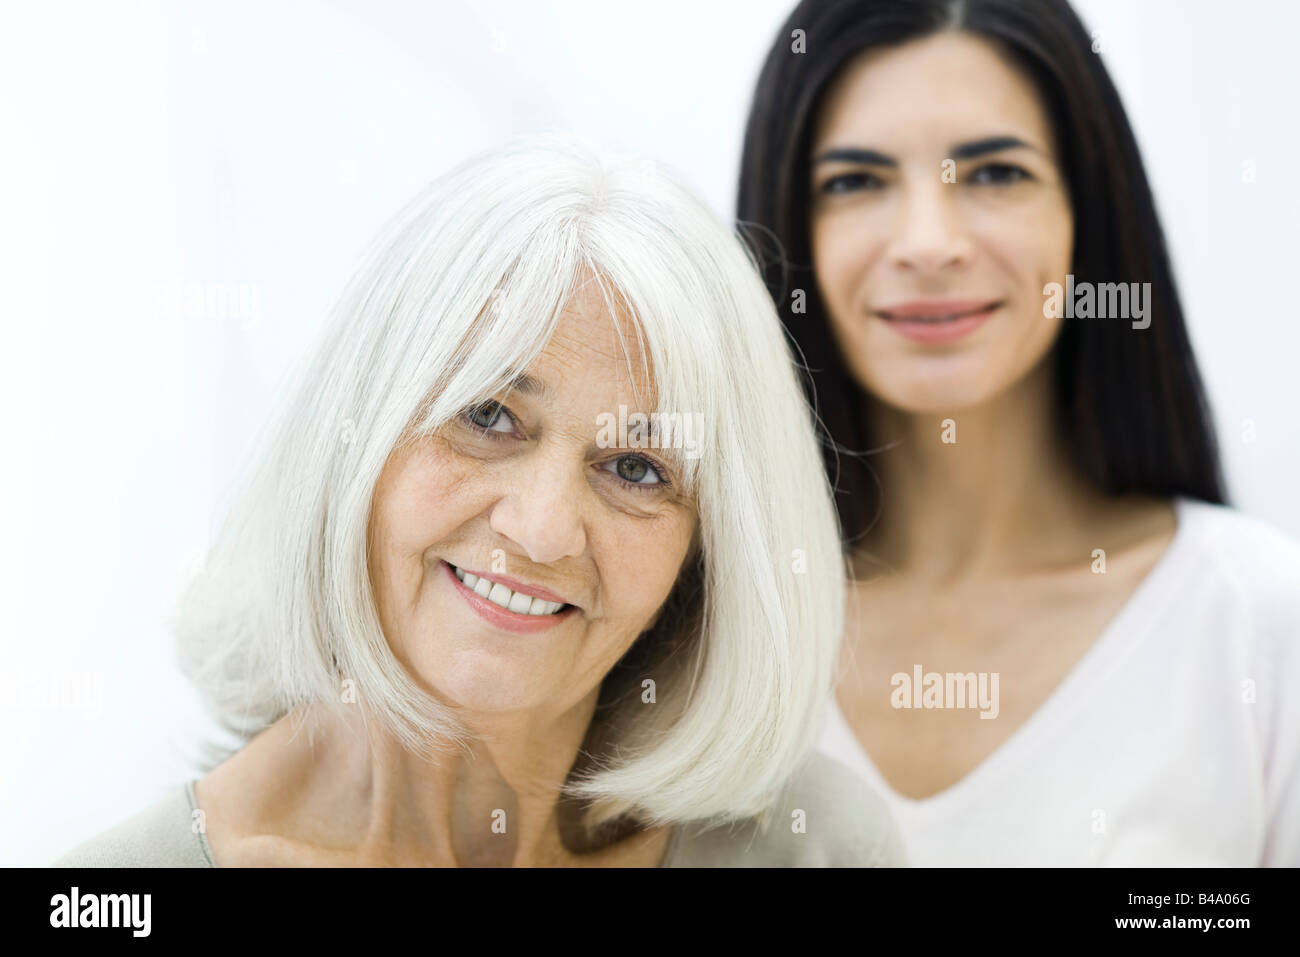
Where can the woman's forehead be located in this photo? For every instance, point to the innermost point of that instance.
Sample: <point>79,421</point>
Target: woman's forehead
<point>595,345</point>
<point>573,372</point>
<point>947,85</point>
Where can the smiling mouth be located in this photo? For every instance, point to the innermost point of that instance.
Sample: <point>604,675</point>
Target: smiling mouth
<point>499,594</point>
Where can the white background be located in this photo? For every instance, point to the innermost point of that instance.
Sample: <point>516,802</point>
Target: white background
<point>152,151</point>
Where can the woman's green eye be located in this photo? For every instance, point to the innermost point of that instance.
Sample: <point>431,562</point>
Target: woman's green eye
<point>635,470</point>
<point>488,415</point>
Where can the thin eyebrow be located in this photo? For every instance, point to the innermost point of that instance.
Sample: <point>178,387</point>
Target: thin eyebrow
<point>525,384</point>
<point>990,144</point>
<point>970,150</point>
<point>848,154</point>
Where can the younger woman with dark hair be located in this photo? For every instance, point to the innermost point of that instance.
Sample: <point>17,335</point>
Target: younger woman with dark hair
<point>1062,646</point>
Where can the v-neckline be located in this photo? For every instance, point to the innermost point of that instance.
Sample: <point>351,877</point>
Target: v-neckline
<point>1136,611</point>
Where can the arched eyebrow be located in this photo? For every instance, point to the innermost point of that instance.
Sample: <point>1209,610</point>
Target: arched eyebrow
<point>970,150</point>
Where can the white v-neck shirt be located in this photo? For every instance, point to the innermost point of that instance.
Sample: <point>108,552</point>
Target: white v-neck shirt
<point>1174,741</point>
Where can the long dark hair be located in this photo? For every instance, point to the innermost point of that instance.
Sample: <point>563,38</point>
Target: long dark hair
<point>1132,401</point>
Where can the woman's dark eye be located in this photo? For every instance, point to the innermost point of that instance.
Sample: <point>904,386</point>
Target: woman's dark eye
<point>998,174</point>
<point>488,416</point>
<point>848,182</point>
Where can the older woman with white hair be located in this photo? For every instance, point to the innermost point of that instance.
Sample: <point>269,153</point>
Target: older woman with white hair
<point>537,567</point>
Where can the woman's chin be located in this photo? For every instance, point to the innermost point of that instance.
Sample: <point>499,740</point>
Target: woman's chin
<point>931,385</point>
<point>933,398</point>
<point>489,692</point>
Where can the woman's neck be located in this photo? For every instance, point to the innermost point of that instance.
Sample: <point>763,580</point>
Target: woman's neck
<point>983,491</point>
<point>496,802</point>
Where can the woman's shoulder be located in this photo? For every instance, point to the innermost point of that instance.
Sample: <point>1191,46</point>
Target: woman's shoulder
<point>1257,563</point>
<point>161,835</point>
<point>826,816</point>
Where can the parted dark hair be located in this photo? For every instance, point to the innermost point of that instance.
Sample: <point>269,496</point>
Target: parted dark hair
<point>1131,399</point>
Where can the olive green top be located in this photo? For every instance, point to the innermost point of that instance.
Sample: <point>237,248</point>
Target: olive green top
<point>844,824</point>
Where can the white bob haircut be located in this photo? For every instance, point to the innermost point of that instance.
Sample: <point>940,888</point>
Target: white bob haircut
<point>456,297</point>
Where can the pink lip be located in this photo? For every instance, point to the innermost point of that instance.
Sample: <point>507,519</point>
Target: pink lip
<point>504,618</point>
<point>971,314</point>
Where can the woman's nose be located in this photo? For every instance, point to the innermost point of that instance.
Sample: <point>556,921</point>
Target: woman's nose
<point>542,513</point>
<point>929,232</point>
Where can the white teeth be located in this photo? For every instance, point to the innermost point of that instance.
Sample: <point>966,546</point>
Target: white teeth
<point>499,594</point>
